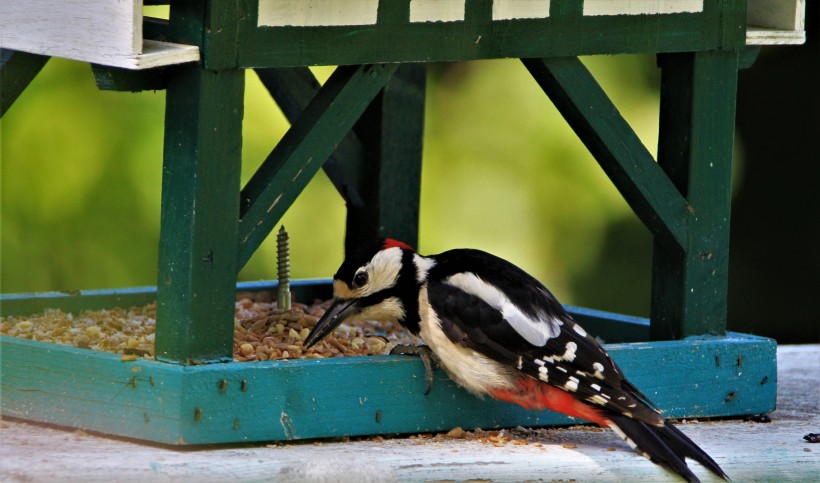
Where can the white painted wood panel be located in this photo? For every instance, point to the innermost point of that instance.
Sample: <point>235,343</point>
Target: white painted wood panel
<point>436,10</point>
<point>777,14</point>
<point>515,9</point>
<point>107,32</point>
<point>314,13</point>
<point>640,7</point>
<point>90,30</point>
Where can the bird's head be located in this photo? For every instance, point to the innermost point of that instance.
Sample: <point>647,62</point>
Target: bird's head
<point>374,283</point>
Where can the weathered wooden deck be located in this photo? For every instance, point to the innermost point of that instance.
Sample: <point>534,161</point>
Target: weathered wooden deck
<point>748,451</point>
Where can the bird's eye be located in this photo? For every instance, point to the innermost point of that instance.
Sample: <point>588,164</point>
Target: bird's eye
<point>360,279</point>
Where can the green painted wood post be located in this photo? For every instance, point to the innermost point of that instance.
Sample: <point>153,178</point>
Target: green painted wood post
<point>17,70</point>
<point>200,203</point>
<point>392,132</point>
<point>695,148</point>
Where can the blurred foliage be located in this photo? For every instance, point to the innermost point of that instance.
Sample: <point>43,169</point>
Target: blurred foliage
<point>81,177</point>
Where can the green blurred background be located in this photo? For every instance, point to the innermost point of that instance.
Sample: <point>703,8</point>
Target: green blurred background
<point>502,172</point>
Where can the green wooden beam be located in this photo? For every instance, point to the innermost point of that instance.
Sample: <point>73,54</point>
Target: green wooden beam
<point>128,80</point>
<point>241,402</point>
<point>392,130</point>
<point>614,145</point>
<point>293,88</point>
<point>200,205</point>
<point>17,70</point>
<point>695,148</point>
<point>304,148</point>
<point>564,32</point>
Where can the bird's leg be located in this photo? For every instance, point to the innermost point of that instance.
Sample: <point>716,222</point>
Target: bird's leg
<point>427,357</point>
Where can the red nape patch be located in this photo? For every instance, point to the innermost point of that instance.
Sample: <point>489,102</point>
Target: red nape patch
<point>533,394</point>
<point>390,243</point>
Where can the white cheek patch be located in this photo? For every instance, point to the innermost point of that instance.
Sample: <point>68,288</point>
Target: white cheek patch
<point>535,331</point>
<point>383,272</point>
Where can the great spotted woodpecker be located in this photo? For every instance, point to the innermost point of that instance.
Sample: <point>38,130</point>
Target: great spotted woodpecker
<point>498,331</point>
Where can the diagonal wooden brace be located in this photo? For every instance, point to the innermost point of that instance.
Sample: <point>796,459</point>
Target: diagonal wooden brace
<point>616,147</point>
<point>17,70</point>
<point>293,88</point>
<point>304,148</point>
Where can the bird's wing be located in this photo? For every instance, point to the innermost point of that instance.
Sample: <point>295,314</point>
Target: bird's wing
<point>525,327</point>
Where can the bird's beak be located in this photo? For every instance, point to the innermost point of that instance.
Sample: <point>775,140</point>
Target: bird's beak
<point>335,315</point>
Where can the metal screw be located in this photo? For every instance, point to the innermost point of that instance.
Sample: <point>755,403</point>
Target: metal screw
<point>283,268</point>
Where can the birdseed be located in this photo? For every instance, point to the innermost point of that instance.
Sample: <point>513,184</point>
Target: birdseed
<point>261,331</point>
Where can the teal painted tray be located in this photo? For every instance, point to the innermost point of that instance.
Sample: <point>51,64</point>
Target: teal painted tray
<point>309,398</point>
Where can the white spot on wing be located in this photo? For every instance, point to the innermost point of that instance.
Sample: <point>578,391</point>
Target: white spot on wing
<point>596,399</point>
<point>569,354</point>
<point>535,331</point>
<point>571,384</point>
<point>580,330</point>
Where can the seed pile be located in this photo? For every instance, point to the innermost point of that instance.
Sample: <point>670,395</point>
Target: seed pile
<point>261,331</point>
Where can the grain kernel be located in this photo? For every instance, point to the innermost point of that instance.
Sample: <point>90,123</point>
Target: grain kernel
<point>246,349</point>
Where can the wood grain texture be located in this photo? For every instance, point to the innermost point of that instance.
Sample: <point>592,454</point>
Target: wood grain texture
<point>200,204</point>
<point>88,30</point>
<point>282,400</point>
<point>695,149</point>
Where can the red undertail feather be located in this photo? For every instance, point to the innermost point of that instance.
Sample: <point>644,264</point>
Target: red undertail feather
<point>532,394</point>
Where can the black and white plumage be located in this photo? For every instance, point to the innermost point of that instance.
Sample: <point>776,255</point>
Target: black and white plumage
<point>498,331</point>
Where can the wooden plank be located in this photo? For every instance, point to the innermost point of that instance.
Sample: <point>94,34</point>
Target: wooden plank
<point>303,150</point>
<point>439,31</point>
<point>305,290</point>
<point>96,31</point>
<point>17,70</point>
<point>695,149</point>
<point>777,14</point>
<point>282,400</point>
<point>766,36</point>
<point>392,130</point>
<point>200,205</point>
<point>748,451</point>
<point>88,30</point>
<point>119,79</point>
<point>614,145</point>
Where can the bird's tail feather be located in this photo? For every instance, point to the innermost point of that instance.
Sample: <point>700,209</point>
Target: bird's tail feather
<point>665,445</point>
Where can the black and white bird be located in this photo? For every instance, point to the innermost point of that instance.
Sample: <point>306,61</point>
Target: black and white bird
<point>498,332</point>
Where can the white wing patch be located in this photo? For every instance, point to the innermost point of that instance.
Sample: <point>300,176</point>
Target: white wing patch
<point>423,266</point>
<point>535,331</point>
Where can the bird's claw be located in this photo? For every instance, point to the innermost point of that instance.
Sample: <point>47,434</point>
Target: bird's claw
<point>428,358</point>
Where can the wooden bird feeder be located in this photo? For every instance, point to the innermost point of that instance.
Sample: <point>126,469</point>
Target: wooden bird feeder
<point>367,118</point>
